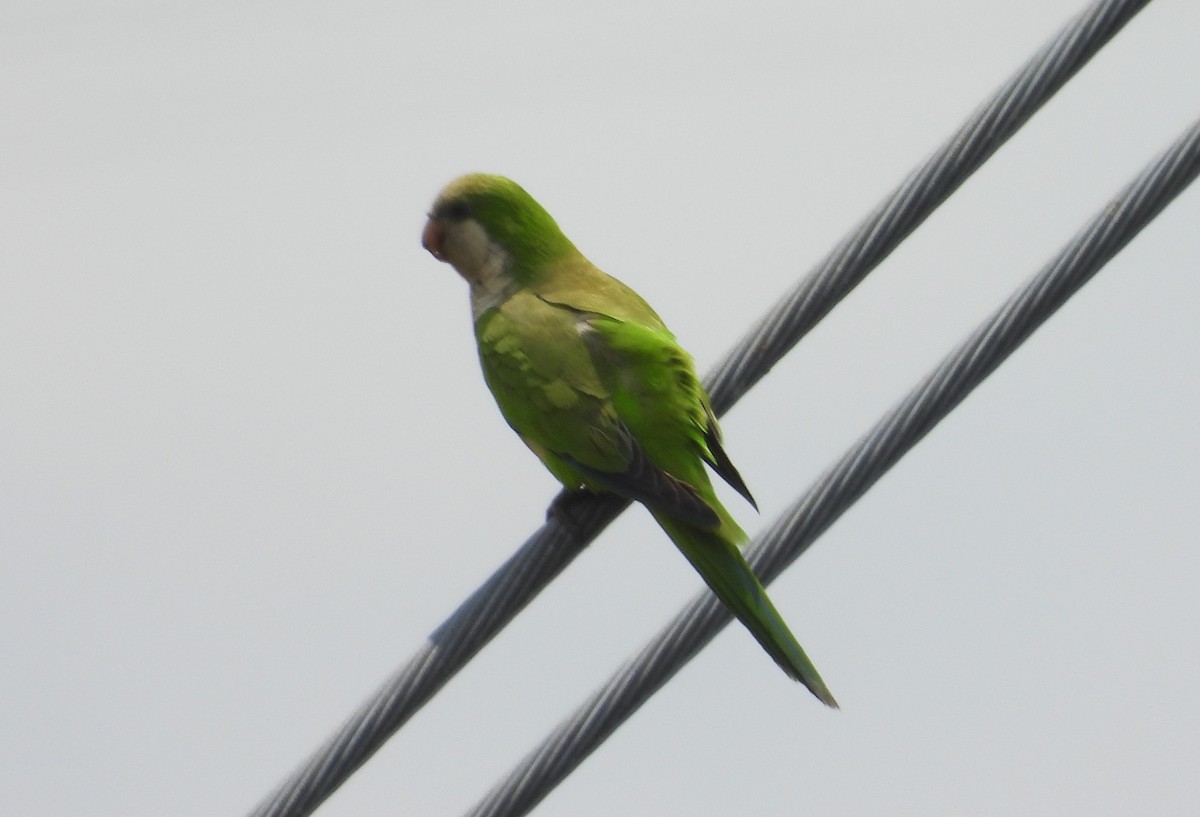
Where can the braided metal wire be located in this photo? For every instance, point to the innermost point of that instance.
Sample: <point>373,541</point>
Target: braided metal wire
<point>905,208</point>
<point>858,469</point>
<point>549,550</point>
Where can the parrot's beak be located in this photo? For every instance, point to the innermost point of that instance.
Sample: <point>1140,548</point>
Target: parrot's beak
<point>433,238</point>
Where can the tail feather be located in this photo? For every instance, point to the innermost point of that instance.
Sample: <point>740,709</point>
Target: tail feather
<point>715,555</point>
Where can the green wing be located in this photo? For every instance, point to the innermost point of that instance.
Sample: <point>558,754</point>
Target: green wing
<point>656,393</point>
<point>598,388</point>
<point>554,391</point>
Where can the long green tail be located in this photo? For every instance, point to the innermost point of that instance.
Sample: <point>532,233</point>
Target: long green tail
<point>720,563</point>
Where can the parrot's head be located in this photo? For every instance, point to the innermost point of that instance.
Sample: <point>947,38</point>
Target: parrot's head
<point>492,232</point>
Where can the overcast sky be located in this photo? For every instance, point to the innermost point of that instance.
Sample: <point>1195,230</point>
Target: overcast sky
<point>248,463</point>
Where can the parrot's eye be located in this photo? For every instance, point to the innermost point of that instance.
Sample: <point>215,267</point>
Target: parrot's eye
<point>457,211</point>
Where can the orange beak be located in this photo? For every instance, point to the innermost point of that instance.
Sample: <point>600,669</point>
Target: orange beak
<point>433,237</point>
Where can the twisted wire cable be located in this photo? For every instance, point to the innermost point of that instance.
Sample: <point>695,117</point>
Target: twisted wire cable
<point>921,192</point>
<point>550,549</point>
<point>858,469</point>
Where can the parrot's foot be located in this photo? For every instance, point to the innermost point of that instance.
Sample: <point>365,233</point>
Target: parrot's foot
<point>565,507</point>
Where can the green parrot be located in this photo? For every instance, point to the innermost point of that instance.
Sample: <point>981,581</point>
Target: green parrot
<point>594,383</point>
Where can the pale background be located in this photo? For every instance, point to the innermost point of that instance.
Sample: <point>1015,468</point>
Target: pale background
<point>248,463</point>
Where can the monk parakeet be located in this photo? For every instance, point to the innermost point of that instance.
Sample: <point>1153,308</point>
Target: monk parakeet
<point>593,382</point>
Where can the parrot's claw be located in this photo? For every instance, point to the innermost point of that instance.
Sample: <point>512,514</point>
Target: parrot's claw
<point>565,506</point>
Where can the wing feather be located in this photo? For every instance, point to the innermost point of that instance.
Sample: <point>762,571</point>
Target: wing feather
<point>607,403</point>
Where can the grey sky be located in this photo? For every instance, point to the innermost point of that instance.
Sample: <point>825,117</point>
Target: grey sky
<point>248,463</point>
